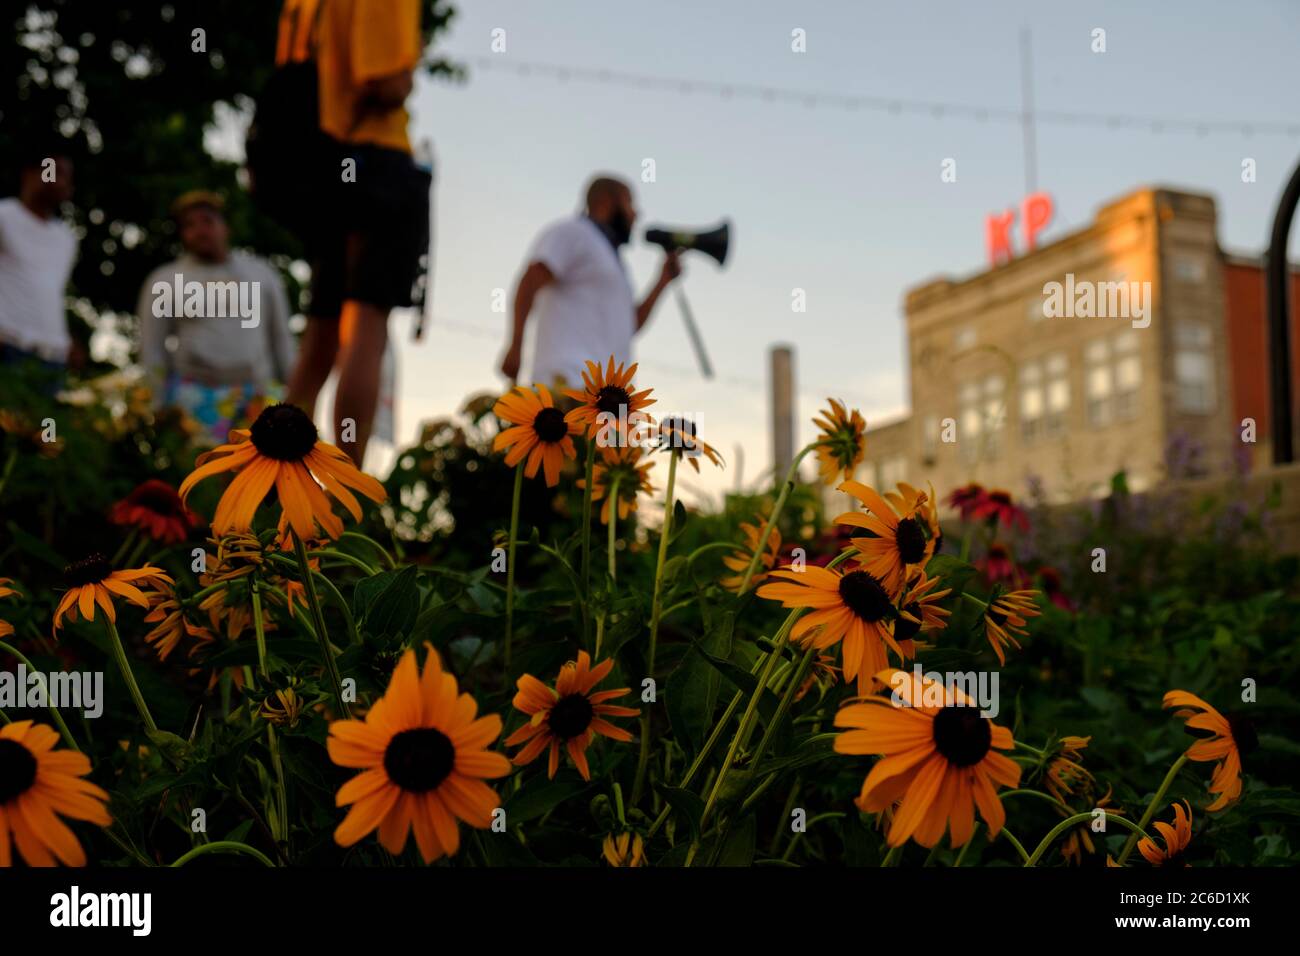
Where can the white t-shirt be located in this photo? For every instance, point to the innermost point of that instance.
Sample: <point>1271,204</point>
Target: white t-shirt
<point>36,257</point>
<point>588,312</point>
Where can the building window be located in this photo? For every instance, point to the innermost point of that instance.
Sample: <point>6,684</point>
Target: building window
<point>1032,404</point>
<point>1044,397</point>
<point>1098,384</point>
<point>1056,381</point>
<point>1112,378</point>
<point>983,411</point>
<point>1189,269</point>
<point>1128,373</point>
<point>1194,367</point>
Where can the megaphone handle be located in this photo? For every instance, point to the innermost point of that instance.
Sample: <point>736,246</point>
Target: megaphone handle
<point>705,367</point>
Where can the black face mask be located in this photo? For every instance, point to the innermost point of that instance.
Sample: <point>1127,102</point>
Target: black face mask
<point>619,227</point>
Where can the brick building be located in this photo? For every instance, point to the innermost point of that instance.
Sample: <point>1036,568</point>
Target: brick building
<point>1150,337</point>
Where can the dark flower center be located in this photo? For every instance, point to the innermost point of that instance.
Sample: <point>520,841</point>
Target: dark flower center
<point>678,434</point>
<point>611,398</point>
<point>996,616</point>
<point>419,760</point>
<point>962,735</point>
<point>550,426</point>
<point>1243,734</point>
<point>17,770</point>
<point>570,716</point>
<point>903,628</point>
<point>89,570</point>
<point>1174,859</point>
<point>284,432</point>
<point>999,498</point>
<point>910,539</point>
<point>865,597</point>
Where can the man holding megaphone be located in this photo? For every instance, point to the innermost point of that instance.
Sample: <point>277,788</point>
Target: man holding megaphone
<point>584,301</point>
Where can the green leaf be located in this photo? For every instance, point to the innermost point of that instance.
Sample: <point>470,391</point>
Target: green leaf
<point>687,804</point>
<point>388,603</point>
<point>738,843</point>
<point>536,798</point>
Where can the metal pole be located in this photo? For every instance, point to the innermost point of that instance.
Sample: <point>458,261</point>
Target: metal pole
<point>1279,325</point>
<point>782,409</point>
<point>706,367</point>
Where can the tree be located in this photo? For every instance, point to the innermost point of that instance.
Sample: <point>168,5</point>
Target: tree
<point>139,94</point>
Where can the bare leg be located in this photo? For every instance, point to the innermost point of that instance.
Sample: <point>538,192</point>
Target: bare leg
<point>316,354</point>
<point>365,333</point>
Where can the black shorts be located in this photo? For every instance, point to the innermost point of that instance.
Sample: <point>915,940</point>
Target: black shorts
<point>375,250</point>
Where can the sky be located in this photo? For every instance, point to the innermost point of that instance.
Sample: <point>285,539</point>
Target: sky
<point>847,205</point>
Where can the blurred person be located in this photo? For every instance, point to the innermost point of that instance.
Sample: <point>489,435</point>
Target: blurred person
<point>37,251</point>
<point>366,253</point>
<point>232,344</point>
<point>576,278</point>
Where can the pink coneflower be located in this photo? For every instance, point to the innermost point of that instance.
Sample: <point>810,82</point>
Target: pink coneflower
<point>156,509</point>
<point>998,566</point>
<point>998,507</point>
<point>966,499</point>
<point>1050,579</point>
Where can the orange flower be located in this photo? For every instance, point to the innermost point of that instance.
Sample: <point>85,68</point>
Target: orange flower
<point>938,762</point>
<point>608,392</point>
<point>1176,837</point>
<point>903,526</point>
<point>539,432</point>
<point>569,716</point>
<point>93,582</point>
<point>1231,738</point>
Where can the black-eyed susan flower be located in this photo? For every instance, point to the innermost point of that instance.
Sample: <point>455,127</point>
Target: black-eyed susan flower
<point>841,443</point>
<point>283,708</point>
<point>92,582</point>
<point>570,716</point>
<point>1229,739</point>
<point>170,623</point>
<point>624,849</point>
<point>1066,774</point>
<point>155,509</point>
<point>919,611</point>
<point>677,436</point>
<point>938,762</point>
<point>1005,620</point>
<point>608,398</point>
<point>38,784</point>
<point>853,607</point>
<point>283,451</point>
<point>627,466</point>
<point>903,539</point>
<point>423,753</point>
<point>538,432</point>
<point>739,559</point>
<point>1176,839</point>
<point>5,591</point>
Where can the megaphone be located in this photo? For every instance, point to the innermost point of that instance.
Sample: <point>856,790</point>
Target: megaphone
<point>713,243</point>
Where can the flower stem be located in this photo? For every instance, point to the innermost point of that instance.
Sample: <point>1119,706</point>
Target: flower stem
<point>656,611</point>
<point>1152,806</point>
<point>318,621</point>
<point>127,544</point>
<point>610,548</point>
<point>891,858</point>
<point>49,698</point>
<point>272,743</point>
<point>1075,820</point>
<point>588,473</point>
<point>784,493</point>
<point>119,651</point>
<point>510,563</point>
